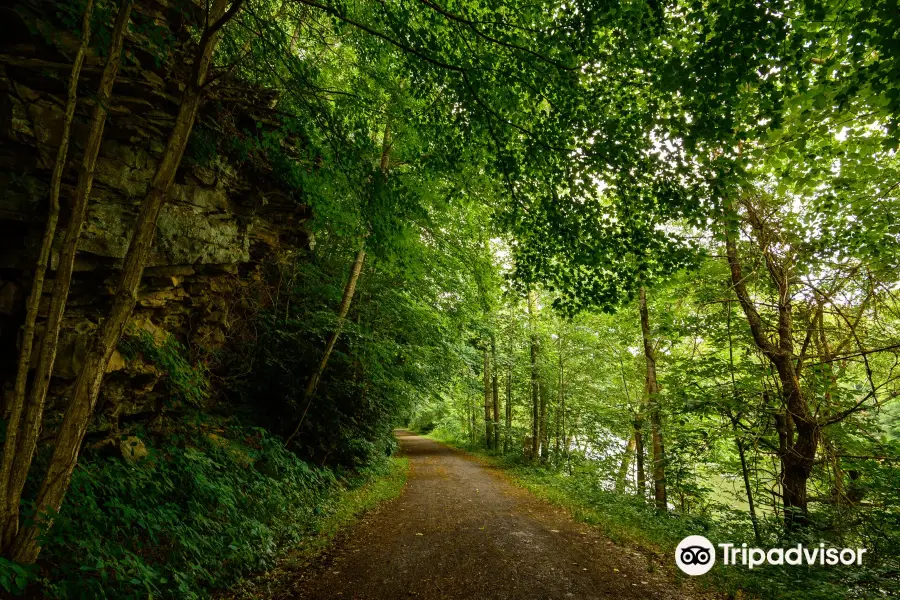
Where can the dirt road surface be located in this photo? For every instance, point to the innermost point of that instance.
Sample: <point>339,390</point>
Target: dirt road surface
<point>461,531</point>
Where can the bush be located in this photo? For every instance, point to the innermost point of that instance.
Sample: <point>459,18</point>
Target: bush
<point>185,382</point>
<point>209,503</point>
<point>367,383</point>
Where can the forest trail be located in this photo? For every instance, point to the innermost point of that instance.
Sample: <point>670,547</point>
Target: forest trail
<point>460,530</point>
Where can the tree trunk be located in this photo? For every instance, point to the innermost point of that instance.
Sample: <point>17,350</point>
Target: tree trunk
<point>556,436</point>
<point>543,421</point>
<point>87,384</point>
<point>798,428</point>
<point>737,439</point>
<point>635,443</point>
<point>753,519</point>
<point>474,422</point>
<point>801,441</point>
<point>22,438</point>
<point>535,382</point>
<point>659,459</point>
<point>470,415</point>
<point>508,421</point>
<point>488,400</point>
<point>561,400</point>
<point>309,391</point>
<point>496,396</point>
<point>639,457</point>
<point>625,465</point>
<point>344,308</point>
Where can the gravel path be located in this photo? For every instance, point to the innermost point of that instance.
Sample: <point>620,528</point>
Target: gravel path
<point>461,531</point>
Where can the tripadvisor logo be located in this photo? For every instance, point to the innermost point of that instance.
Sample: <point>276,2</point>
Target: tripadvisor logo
<point>695,555</point>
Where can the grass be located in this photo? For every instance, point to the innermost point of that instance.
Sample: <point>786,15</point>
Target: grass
<point>351,503</point>
<point>346,507</point>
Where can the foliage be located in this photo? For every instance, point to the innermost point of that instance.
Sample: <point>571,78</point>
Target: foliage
<point>379,483</point>
<point>718,396</point>
<point>395,348</point>
<point>14,577</point>
<point>185,382</point>
<point>214,501</point>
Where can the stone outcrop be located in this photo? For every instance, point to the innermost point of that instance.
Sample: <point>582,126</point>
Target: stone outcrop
<point>219,223</point>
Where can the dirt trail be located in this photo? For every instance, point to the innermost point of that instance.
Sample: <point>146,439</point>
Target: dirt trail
<point>461,531</point>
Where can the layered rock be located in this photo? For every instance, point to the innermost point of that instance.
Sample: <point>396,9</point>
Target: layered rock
<point>218,224</point>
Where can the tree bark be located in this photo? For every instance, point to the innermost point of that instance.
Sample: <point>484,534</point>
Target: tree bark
<point>740,444</point>
<point>496,395</point>
<point>508,421</point>
<point>561,400</point>
<point>473,410</point>
<point>543,421</point>
<point>625,465</point>
<point>749,491</point>
<point>639,456</point>
<point>798,428</point>
<point>19,450</point>
<point>659,459</point>
<point>87,384</point>
<point>535,381</point>
<point>9,518</point>
<point>488,401</point>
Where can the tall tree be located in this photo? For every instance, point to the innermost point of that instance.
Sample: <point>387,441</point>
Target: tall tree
<point>26,418</point>
<point>87,384</point>
<point>652,389</point>
<point>488,399</point>
<point>495,394</point>
<point>10,491</point>
<point>509,412</point>
<point>535,376</point>
<point>346,299</point>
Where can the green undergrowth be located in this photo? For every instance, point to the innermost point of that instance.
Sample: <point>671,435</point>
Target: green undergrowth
<point>205,503</point>
<point>626,520</point>
<point>348,505</point>
<point>190,502</point>
<point>362,495</point>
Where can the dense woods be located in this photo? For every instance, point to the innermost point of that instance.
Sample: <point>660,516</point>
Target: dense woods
<point>644,252</point>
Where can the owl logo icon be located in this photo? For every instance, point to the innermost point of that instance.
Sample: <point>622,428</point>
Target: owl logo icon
<point>695,555</point>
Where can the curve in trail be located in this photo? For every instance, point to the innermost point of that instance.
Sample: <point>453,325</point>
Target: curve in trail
<point>460,531</point>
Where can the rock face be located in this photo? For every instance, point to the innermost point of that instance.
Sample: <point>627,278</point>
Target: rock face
<point>219,223</point>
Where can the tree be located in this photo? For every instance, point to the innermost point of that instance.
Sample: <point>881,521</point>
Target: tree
<point>495,393</point>
<point>25,418</point>
<point>652,387</point>
<point>535,379</point>
<point>87,385</point>
<point>346,299</point>
<point>11,484</point>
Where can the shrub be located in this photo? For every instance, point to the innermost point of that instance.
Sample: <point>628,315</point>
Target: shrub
<point>211,502</point>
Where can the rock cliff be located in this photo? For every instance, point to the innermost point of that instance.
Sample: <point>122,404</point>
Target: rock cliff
<point>222,220</point>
